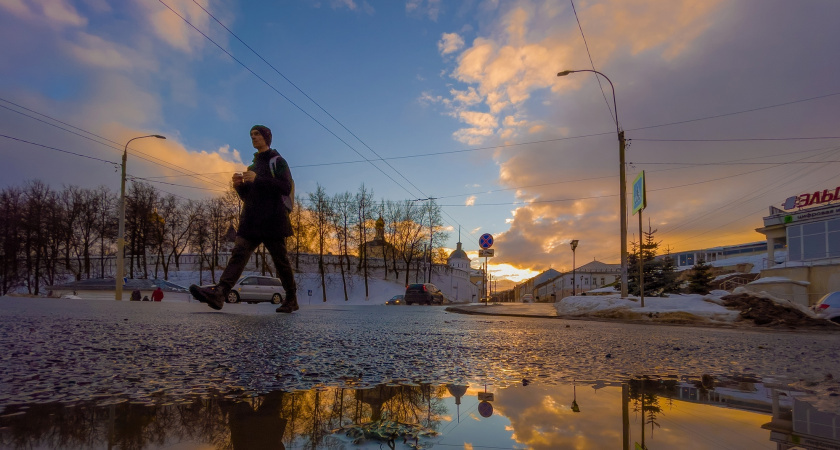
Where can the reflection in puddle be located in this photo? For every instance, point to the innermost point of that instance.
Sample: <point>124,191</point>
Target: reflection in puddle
<point>640,413</point>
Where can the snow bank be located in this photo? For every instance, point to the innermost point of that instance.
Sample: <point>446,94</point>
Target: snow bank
<point>784,302</point>
<point>703,306</point>
<point>767,280</point>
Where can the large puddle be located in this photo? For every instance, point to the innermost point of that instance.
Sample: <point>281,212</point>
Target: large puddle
<point>683,413</point>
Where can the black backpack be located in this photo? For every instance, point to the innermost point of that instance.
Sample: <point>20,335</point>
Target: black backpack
<point>288,200</point>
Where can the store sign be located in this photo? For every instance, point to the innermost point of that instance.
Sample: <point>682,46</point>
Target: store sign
<point>815,198</point>
<point>811,214</point>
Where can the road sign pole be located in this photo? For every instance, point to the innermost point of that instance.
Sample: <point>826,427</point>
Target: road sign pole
<point>486,300</point>
<point>641,264</point>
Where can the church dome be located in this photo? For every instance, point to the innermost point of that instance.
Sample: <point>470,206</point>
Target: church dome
<point>458,253</point>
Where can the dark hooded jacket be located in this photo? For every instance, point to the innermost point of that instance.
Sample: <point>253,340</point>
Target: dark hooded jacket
<point>264,217</point>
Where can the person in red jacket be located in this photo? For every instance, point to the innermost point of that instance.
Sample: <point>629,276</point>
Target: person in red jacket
<point>157,295</point>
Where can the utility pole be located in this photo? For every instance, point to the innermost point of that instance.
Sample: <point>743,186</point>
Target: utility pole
<point>622,180</point>
<point>623,207</point>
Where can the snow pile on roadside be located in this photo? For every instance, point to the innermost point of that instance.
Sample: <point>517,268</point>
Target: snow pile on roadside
<point>781,301</point>
<point>698,305</point>
<point>767,280</point>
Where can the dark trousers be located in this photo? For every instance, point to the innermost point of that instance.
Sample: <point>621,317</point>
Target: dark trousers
<point>241,253</point>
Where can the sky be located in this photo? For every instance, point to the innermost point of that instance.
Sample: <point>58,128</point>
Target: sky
<point>457,101</point>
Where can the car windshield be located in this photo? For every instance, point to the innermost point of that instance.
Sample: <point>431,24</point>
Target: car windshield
<point>832,299</point>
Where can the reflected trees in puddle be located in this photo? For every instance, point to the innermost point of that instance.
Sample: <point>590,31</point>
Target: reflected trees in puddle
<point>699,413</point>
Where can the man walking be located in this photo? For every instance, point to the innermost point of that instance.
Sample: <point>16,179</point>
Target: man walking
<point>264,220</point>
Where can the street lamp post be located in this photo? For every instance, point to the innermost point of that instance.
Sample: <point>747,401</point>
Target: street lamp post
<point>623,185</point>
<point>574,244</point>
<point>121,234</point>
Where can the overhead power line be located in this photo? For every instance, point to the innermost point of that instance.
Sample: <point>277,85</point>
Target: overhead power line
<point>597,78</point>
<point>380,158</point>
<point>116,164</point>
<point>108,142</point>
<point>264,81</point>
<point>746,198</point>
<point>299,107</point>
<point>739,140</point>
<point>717,116</point>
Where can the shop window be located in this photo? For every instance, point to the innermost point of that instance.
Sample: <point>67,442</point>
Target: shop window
<point>834,238</point>
<point>794,241</point>
<point>813,240</point>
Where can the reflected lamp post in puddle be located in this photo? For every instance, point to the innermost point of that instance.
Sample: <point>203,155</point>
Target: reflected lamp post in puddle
<point>575,407</point>
<point>574,245</point>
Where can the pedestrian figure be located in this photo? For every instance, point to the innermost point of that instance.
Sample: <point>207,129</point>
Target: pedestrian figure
<point>157,295</point>
<point>266,191</point>
<point>135,295</point>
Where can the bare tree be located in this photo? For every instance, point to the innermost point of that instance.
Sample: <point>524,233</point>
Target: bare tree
<point>178,229</point>
<point>408,232</point>
<point>218,213</point>
<point>167,220</point>
<point>139,216</point>
<point>38,199</point>
<point>105,210</point>
<point>11,233</point>
<point>391,215</point>
<point>363,203</point>
<point>71,202</point>
<point>432,218</point>
<point>302,241</point>
<point>320,207</point>
<point>342,212</point>
<point>200,239</point>
<point>84,232</point>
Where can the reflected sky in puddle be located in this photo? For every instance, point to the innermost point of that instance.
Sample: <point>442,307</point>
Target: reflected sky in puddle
<point>701,413</point>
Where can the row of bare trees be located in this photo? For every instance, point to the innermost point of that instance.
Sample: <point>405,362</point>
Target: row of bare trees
<point>49,236</point>
<point>300,419</point>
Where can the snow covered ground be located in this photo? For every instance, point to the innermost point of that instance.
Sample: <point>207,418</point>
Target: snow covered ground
<point>707,306</point>
<point>310,291</point>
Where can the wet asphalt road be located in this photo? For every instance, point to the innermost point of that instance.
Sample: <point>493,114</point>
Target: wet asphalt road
<point>69,350</point>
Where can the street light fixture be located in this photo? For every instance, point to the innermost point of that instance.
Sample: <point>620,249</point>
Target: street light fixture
<point>574,244</point>
<point>622,188</point>
<point>121,234</point>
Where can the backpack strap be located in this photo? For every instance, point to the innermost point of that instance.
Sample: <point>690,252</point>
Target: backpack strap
<point>288,200</point>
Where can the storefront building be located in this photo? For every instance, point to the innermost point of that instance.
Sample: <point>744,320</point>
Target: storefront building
<point>809,226</point>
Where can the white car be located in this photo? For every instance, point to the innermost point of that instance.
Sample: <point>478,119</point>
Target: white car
<point>528,298</point>
<point>255,289</point>
<point>829,307</point>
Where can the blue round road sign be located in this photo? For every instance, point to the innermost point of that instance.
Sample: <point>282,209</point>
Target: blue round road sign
<point>485,409</point>
<point>485,241</point>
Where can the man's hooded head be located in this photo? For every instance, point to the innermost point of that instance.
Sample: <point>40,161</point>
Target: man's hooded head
<point>265,132</point>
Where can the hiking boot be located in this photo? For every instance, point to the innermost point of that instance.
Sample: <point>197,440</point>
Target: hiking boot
<point>289,303</point>
<point>212,295</point>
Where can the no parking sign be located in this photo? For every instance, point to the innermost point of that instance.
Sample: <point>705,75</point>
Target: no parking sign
<point>485,409</point>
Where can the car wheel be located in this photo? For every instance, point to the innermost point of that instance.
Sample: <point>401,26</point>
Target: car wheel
<point>276,299</point>
<point>233,297</point>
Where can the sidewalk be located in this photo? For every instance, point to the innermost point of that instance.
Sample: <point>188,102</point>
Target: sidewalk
<point>508,309</point>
